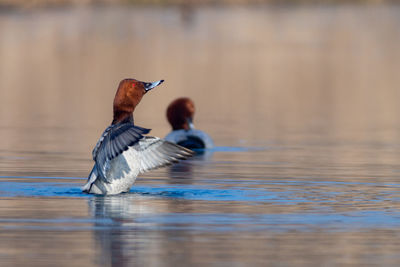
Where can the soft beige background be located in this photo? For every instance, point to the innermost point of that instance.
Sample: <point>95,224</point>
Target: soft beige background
<point>314,89</point>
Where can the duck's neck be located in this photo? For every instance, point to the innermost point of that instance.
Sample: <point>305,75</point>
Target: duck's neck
<point>122,117</point>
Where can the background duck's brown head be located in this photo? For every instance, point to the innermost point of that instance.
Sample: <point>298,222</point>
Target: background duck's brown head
<point>180,113</point>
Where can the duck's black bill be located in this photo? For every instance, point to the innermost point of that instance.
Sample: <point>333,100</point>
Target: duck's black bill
<point>149,86</point>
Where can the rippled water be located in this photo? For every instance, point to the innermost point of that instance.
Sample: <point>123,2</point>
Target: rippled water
<point>304,115</point>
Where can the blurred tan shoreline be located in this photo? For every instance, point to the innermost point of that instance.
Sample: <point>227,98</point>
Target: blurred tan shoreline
<point>5,4</point>
<point>331,69</point>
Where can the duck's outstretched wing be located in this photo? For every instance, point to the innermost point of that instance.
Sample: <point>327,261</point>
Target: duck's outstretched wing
<point>116,139</point>
<point>154,153</point>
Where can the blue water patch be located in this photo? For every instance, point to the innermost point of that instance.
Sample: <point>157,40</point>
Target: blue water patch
<point>39,189</point>
<point>205,193</point>
<point>282,192</point>
<point>120,211</point>
<point>214,222</point>
<point>190,192</point>
<point>299,221</point>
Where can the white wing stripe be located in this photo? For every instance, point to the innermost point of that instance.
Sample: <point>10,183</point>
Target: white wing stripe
<point>154,152</point>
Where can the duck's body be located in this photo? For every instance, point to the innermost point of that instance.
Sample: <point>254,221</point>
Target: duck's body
<point>122,152</point>
<point>121,172</point>
<point>180,115</point>
<point>191,139</point>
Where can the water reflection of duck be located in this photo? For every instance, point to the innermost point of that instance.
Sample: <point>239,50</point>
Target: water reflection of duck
<point>180,115</point>
<point>116,232</point>
<point>122,151</point>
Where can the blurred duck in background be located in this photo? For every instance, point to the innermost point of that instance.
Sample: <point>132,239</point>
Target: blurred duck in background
<point>180,115</point>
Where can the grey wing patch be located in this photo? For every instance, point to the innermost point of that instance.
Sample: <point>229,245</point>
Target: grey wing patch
<point>113,142</point>
<point>154,153</point>
<point>96,148</point>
